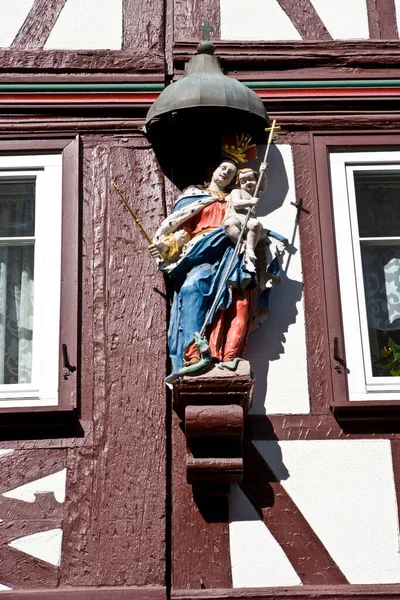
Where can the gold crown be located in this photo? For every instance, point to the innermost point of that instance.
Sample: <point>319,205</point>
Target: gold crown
<point>241,151</point>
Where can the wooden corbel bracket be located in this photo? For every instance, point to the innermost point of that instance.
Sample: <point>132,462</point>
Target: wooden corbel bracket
<point>212,408</point>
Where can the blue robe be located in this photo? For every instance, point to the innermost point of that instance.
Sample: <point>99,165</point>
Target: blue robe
<point>197,276</point>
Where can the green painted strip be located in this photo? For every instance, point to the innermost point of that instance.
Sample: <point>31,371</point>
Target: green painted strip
<point>323,83</point>
<point>158,87</point>
<point>81,87</point>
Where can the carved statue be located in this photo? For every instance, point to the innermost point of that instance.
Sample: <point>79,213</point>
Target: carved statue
<point>237,202</point>
<point>195,245</point>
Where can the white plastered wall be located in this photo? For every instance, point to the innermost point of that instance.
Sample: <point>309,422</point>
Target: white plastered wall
<point>82,24</point>
<point>12,17</point>
<point>91,25</point>
<point>255,20</point>
<point>277,350</point>
<point>266,20</point>
<point>345,490</point>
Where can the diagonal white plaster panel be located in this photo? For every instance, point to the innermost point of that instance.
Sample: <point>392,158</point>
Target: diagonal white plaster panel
<point>88,24</point>
<point>3,588</point>
<point>256,557</point>
<point>45,545</point>
<point>345,490</point>
<point>255,20</point>
<point>5,452</point>
<point>51,483</point>
<point>12,17</point>
<point>343,19</point>
<point>278,347</point>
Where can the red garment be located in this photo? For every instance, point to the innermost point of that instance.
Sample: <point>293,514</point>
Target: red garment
<point>211,217</point>
<point>228,333</point>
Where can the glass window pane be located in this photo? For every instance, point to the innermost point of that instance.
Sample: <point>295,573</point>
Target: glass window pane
<point>17,207</point>
<point>16,313</point>
<point>378,203</point>
<point>381,271</point>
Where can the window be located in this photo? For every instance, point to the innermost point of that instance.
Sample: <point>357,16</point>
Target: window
<point>38,278</point>
<point>366,207</point>
<point>357,184</point>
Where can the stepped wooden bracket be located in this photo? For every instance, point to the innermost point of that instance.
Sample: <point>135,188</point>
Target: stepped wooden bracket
<point>212,408</point>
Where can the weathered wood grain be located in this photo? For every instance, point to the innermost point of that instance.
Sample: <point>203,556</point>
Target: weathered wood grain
<point>116,495</point>
<point>24,466</point>
<point>132,462</point>
<point>382,20</point>
<point>87,593</point>
<point>200,539</point>
<point>21,518</point>
<point>314,427</point>
<point>20,571</point>
<point>306,19</point>
<point>190,15</point>
<point>81,61</point>
<point>38,24</point>
<point>329,592</point>
<point>79,547</point>
<point>129,344</point>
<point>143,26</point>
<point>270,56</point>
<point>317,344</point>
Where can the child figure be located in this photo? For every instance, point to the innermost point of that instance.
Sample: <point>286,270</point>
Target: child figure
<point>238,203</point>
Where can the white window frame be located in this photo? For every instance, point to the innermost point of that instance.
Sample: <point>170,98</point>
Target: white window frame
<point>47,171</point>
<point>362,385</point>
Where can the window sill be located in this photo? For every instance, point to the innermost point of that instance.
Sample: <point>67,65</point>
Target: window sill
<point>376,413</point>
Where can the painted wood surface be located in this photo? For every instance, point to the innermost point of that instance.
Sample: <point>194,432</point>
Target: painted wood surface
<point>189,16</point>
<point>38,24</point>
<point>125,311</point>
<point>118,529</point>
<point>382,19</point>
<point>200,531</point>
<point>114,512</point>
<point>21,517</point>
<point>143,26</point>
<point>317,343</point>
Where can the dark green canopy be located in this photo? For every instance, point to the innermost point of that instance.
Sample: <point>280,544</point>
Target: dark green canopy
<point>188,120</point>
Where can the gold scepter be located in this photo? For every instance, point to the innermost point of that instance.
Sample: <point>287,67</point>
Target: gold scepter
<point>134,215</point>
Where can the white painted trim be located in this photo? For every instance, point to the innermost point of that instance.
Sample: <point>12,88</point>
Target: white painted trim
<point>47,171</point>
<point>44,545</point>
<point>54,483</point>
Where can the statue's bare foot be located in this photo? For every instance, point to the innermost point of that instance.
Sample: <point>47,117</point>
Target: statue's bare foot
<point>192,361</point>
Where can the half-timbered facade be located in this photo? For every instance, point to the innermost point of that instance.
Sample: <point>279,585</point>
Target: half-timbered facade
<point>93,495</point>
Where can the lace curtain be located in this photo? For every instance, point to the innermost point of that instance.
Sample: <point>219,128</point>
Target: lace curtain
<point>381,268</point>
<point>378,211</point>
<point>16,280</point>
